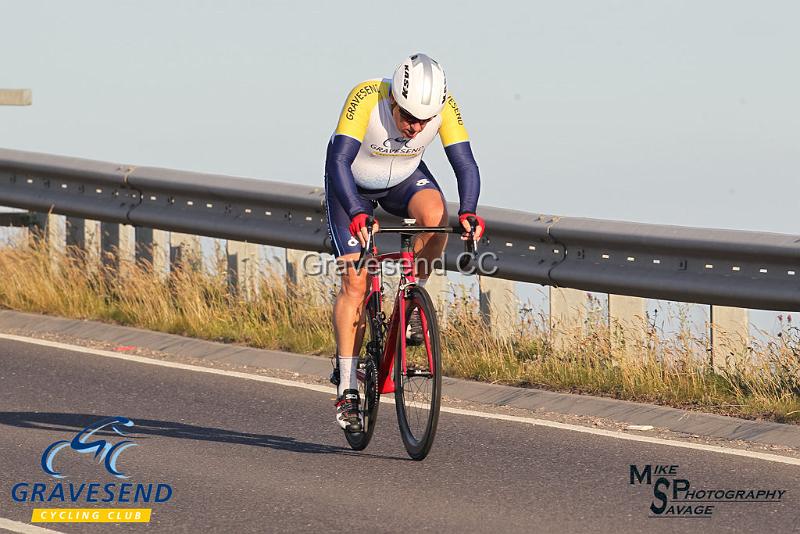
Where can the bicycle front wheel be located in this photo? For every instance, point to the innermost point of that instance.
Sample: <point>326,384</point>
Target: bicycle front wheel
<point>418,379</point>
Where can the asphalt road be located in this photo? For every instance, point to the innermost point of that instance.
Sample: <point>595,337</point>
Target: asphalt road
<point>245,456</point>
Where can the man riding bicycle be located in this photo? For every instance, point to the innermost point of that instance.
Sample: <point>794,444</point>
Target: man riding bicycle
<point>375,158</point>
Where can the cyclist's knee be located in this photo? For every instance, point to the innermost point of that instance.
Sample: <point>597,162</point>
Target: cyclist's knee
<point>428,208</point>
<point>354,283</point>
<point>354,288</point>
<point>434,217</point>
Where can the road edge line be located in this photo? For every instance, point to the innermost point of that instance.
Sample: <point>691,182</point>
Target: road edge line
<point>24,528</point>
<point>456,411</point>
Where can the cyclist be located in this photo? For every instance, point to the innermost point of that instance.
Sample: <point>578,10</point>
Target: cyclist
<point>375,157</point>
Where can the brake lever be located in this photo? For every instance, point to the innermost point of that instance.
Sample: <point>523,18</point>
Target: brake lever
<point>470,247</point>
<point>368,247</point>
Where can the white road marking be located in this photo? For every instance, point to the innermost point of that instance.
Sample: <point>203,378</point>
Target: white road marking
<point>458,411</point>
<point>24,528</point>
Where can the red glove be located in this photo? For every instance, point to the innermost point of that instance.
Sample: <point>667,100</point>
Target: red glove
<point>358,222</point>
<point>480,224</point>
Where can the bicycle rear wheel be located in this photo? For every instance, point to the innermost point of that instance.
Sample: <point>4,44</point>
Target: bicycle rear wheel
<point>368,381</point>
<point>418,379</point>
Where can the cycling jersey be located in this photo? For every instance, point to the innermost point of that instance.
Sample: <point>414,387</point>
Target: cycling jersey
<point>367,150</point>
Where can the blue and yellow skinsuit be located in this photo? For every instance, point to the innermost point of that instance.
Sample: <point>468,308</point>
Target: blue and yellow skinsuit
<point>369,161</point>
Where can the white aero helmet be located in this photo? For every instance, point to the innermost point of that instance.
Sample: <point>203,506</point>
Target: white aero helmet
<point>419,86</point>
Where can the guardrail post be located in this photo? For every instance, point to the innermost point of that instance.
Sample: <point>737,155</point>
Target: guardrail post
<point>295,268</point>
<point>50,227</point>
<point>116,245</point>
<point>438,287</point>
<point>567,315</point>
<point>311,275</point>
<point>185,252</point>
<point>220,260</point>
<point>498,305</point>
<point>83,238</point>
<point>730,334</point>
<point>244,268</point>
<point>152,248</point>
<point>626,320</point>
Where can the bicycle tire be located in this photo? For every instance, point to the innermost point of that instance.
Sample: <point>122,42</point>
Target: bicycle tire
<point>368,386</point>
<point>418,385</point>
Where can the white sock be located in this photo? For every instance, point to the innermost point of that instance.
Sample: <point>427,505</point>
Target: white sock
<point>348,365</point>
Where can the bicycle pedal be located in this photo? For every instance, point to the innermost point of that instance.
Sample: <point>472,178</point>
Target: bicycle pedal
<point>334,378</point>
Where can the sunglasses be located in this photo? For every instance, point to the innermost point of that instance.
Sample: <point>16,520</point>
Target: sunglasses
<point>408,117</point>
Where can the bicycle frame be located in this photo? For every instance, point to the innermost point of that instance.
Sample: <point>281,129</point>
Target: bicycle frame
<point>397,320</point>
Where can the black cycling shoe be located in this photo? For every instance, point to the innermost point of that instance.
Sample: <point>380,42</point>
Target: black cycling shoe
<point>414,335</point>
<point>348,414</point>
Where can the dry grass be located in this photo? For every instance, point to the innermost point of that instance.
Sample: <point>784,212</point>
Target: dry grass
<point>764,382</point>
<point>672,370</point>
<point>187,302</point>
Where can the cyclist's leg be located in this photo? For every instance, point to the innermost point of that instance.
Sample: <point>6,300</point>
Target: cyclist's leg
<point>349,326</point>
<point>420,198</point>
<point>348,309</point>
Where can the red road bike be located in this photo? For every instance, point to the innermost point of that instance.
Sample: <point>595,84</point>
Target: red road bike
<point>413,371</point>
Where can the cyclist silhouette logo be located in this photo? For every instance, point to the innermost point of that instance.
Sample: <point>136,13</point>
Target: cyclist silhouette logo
<point>392,142</point>
<point>103,450</point>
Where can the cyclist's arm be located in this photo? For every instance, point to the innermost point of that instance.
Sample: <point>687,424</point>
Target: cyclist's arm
<point>459,153</point>
<point>346,142</point>
<point>342,152</point>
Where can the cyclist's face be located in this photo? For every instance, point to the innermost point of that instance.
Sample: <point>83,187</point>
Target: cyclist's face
<point>408,125</point>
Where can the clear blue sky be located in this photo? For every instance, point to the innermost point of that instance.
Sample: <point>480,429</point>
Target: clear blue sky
<point>679,112</point>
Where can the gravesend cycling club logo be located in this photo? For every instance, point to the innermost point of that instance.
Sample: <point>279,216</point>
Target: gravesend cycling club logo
<point>676,497</point>
<point>395,146</point>
<point>105,451</point>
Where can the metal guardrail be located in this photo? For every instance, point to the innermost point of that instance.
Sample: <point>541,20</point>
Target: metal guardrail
<point>726,267</point>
